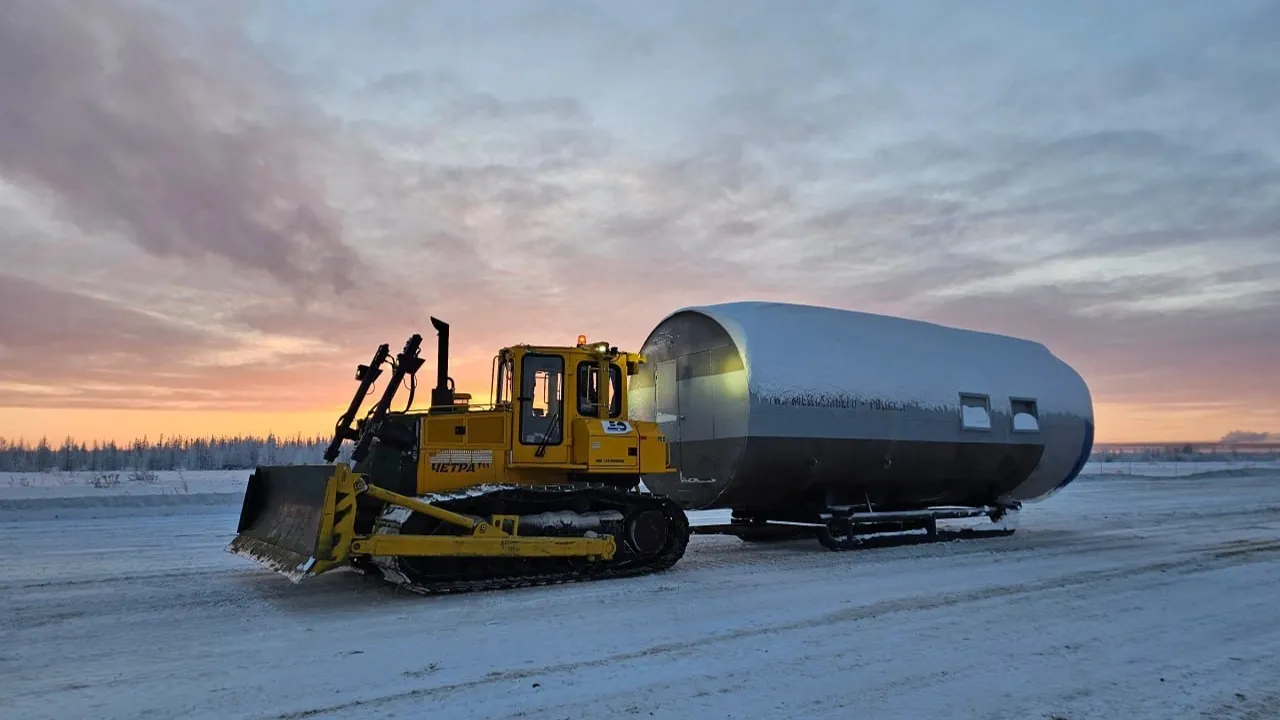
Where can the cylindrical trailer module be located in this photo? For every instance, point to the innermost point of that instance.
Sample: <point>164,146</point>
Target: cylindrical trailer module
<point>778,410</point>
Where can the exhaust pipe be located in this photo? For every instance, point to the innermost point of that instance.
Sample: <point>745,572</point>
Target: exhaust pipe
<point>442,394</point>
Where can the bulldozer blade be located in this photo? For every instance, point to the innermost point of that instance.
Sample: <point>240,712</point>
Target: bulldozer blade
<point>282,519</point>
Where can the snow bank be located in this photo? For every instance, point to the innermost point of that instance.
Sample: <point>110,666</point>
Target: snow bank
<point>129,489</point>
<point>125,482</point>
<point>39,495</point>
<point>1201,470</point>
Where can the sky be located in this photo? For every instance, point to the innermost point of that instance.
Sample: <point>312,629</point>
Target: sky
<point>212,210</point>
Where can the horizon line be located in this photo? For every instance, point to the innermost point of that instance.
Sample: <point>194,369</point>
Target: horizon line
<point>15,440</point>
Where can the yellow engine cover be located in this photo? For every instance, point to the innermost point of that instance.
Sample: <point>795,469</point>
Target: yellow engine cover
<point>606,445</point>
<point>655,453</point>
<point>619,446</point>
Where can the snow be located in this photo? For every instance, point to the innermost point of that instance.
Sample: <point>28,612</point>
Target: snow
<point>975,417</point>
<point>810,351</point>
<point>63,485</point>
<point>85,494</point>
<point>1143,595</point>
<point>570,519</point>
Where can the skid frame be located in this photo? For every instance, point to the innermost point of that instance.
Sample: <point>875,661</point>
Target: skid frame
<point>848,527</point>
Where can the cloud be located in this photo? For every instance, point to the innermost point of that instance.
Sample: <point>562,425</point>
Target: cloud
<point>557,170</point>
<point>107,111</point>
<point>50,335</point>
<point>1195,355</point>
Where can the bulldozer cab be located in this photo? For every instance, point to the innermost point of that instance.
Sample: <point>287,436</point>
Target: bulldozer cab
<point>551,394</point>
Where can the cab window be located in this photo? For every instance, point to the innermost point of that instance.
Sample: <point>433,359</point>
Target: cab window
<point>541,395</point>
<point>589,389</point>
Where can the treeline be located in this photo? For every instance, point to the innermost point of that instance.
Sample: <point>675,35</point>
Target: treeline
<point>246,452</point>
<point>165,453</point>
<point>1183,453</point>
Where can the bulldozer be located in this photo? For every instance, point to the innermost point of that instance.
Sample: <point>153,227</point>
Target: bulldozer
<point>542,485</point>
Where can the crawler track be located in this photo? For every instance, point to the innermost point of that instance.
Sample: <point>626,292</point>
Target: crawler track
<point>651,534</point>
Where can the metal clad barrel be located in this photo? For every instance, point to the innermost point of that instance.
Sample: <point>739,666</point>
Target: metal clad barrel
<point>777,408</point>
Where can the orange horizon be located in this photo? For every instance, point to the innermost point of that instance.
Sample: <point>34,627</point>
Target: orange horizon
<point>1117,423</point>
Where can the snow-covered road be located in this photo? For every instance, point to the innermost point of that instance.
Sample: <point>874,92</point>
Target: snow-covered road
<point>1119,598</point>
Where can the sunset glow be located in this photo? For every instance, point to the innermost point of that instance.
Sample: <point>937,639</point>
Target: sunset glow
<point>204,234</point>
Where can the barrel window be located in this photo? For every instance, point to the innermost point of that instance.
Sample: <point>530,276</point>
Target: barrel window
<point>1026,417</point>
<point>975,412</point>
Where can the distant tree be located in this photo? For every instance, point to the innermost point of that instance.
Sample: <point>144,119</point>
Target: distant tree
<point>1245,436</point>
<point>44,455</point>
<point>169,453</point>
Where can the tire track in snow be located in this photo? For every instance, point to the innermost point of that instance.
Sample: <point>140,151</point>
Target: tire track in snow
<point>1204,560</point>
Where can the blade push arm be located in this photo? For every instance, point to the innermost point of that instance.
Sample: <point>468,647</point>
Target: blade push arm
<point>407,363</point>
<point>367,375</point>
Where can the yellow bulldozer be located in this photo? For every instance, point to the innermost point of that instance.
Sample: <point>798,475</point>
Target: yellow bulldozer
<point>540,486</point>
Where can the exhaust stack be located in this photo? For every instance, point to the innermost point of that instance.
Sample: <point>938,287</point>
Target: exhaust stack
<point>442,395</point>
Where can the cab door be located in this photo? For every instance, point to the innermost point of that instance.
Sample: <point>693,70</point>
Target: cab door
<point>540,410</point>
